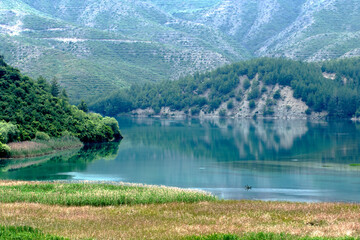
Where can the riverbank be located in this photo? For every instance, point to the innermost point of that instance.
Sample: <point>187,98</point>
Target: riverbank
<point>171,219</point>
<point>37,148</point>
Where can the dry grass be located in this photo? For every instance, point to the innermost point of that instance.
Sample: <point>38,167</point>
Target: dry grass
<point>40,147</point>
<point>176,220</point>
<point>25,146</point>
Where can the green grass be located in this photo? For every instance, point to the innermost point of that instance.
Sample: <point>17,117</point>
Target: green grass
<point>25,233</point>
<point>81,194</point>
<point>354,165</point>
<point>261,236</point>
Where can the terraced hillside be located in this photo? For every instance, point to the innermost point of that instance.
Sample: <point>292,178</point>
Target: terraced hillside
<point>94,47</point>
<point>97,46</point>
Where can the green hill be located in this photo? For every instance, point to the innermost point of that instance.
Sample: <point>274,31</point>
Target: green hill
<point>30,109</point>
<point>245,89</point>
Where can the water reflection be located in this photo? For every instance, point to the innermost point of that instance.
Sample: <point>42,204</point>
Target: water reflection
<point>281,160</point>
<point>49,167</point>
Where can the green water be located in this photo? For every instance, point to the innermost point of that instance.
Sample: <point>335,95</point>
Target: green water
<point>281,160</point>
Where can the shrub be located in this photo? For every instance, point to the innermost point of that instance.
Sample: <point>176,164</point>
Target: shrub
<point>8,132</point>
<point>268,111</point>
<point>252,104</point>
<point>4,150</point>
<point>195,111</point>
<point>222,113</point>
<point>246,84</point>
<point>230,105</point>
<point>277,94</point>
<point>214,104</point>
<point>254,93</point>
<point>263,89</point>
<point>42,136</point>
<point>308,111</point>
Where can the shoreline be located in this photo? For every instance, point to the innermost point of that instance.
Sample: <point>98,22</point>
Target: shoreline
<point>39,148</point>
<point>53,152</point>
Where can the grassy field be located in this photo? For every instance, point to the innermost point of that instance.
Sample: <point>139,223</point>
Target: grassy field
<point>174,219</point>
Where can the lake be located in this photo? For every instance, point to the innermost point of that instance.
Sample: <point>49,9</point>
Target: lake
<point>287,160</point>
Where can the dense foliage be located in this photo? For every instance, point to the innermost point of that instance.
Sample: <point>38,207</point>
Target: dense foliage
<point>207,91</point>
<point>28,107</point>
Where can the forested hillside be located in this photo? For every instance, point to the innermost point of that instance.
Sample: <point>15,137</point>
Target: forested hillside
<point>31,108</point>
<point>256,86</point>
<point>101,45</point>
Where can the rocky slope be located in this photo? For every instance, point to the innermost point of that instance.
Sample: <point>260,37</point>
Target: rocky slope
<point>94,47</point>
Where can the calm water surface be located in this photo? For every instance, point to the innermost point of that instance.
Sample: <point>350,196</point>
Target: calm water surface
<point>281,160</point>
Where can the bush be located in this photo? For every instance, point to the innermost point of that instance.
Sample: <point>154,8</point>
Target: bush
<point>222,113</point>
<point>4,150</point>
<point>252,104</point>
<point>214,104</point>
<point>42,136</point>
<point>268,111</point>
<point>230,105</point>
<point>308,111</point>
<point>277,94</point>
<point>8,132</point>
<point>254,93</point>
<point>195,111</point>
<point>246,84</point>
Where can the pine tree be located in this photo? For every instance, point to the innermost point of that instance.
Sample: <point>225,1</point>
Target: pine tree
<point>43,84</point>
<point>55,88</point>
<point>64,95</point>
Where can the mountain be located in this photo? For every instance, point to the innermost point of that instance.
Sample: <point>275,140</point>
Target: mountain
<point>95,47</point>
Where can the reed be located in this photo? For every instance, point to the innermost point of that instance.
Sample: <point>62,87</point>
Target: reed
<point>42,147</point>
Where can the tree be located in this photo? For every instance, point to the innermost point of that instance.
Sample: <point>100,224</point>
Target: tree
<point>64,95</point>
<point>55,88</point>
<point>43,84</point>
<point>83,106</point>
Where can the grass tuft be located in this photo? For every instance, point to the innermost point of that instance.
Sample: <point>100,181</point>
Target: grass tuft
<point>25,233</point>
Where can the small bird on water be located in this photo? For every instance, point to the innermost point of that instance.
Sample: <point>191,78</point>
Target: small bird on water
<point>247,187</point>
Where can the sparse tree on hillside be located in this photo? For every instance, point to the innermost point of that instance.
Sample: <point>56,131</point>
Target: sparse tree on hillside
<point>43,84</point>
<point>55,88</point>
<point>83,106</point>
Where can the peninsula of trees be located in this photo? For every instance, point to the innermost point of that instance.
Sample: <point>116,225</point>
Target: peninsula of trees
<point>36,109</point>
